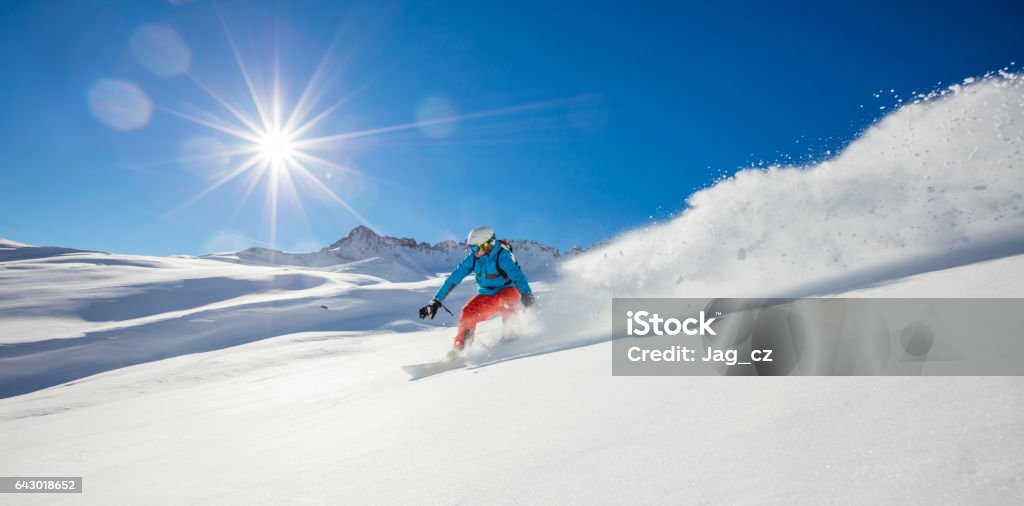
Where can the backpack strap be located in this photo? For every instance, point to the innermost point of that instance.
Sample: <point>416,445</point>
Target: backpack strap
<point>497,261</point>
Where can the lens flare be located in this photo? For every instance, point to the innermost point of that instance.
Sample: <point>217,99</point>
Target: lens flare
<point>434,108</point>
<point>121,105</point>
<point>161,50</point>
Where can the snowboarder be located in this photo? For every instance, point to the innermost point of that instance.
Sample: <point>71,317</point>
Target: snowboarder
<point>502,285</point>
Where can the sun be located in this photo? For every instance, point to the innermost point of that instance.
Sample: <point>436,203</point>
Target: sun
<point>276,147</point>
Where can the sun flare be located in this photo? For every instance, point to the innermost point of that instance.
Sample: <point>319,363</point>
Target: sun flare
<point>276,147</point>
<point>281,141</point>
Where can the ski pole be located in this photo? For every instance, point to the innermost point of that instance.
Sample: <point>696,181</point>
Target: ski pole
<point>446,308</point>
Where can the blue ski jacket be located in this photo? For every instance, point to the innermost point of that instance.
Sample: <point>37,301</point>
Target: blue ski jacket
<point>487,274</point>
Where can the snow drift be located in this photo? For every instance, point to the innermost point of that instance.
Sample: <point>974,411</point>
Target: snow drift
<point>935,184</point>
<point>939,177</point>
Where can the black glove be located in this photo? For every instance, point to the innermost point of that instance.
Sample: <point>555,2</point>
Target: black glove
<point>527,299</point>
<point>430,309</point>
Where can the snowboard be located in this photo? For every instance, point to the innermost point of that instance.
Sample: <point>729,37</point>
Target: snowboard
<point>417,371</point>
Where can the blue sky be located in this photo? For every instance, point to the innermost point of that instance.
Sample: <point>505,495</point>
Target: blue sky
<point>578,121</point>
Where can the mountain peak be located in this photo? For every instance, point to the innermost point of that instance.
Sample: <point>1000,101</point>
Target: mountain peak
<point>361,235</point>
<point>362,230</point>
<point>364,233</point>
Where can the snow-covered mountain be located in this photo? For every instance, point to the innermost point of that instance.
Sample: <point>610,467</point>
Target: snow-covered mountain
<point>363,251</point>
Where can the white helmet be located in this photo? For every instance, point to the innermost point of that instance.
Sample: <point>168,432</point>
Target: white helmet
<point>480,235</point>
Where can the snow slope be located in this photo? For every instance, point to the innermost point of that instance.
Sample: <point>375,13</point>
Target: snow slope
<point>327,417</point>
<point>66,314</point>
<point>257,395</point>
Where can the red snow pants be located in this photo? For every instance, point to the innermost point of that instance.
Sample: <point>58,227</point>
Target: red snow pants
<point>482,307</point>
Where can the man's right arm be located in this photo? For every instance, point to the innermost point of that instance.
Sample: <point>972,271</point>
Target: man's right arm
<point>461,271</point>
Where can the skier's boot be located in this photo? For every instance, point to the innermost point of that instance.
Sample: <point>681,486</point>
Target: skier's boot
<point>462,341</point>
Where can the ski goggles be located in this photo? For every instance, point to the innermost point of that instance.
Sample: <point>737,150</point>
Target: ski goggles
<point>477,247</point>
